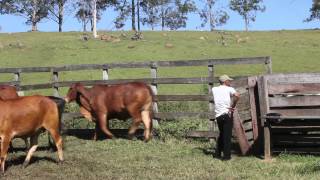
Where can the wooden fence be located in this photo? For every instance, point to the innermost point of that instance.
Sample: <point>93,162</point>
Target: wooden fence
<point>247,84</point>
<point>290,107</point>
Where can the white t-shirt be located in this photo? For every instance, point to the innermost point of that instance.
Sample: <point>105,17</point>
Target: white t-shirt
<point>222,98</point>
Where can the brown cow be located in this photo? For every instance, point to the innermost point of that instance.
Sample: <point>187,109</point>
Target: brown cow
<point>25,117</point>
<point>103,102</point>
<point>10,92</point>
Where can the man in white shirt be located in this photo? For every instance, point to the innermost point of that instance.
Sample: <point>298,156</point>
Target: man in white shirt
<point>225,100</point>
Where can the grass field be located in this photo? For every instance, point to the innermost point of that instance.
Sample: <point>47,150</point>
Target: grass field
<point>170,157</point>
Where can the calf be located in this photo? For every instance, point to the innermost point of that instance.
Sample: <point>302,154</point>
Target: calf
<point>103,102</point>
<point>10,92</point>
<point>25,117</point>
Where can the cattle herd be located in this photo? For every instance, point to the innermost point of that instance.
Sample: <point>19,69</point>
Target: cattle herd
<point>28,116</point>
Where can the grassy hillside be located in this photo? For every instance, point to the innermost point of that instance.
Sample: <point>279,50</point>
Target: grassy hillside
<point>291,51</point>
<point>168,158</point>
<point>287,48</point>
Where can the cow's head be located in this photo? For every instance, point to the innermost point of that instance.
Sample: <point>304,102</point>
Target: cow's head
<point>73,92</point>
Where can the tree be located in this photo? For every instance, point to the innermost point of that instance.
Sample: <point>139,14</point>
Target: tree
<point>212,17</point>
<point>315,11</point>
<point>32,10</point>
<point>88,10</point>
<point>84,13</point>
<point>177,16</point>
<point>167,13</point>
<point>56,11</point>
<point>247,9</point>
<point>124,9</point>
<point>151,10</point>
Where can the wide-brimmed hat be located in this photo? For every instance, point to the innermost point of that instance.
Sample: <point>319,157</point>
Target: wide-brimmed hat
<point>224,78</point>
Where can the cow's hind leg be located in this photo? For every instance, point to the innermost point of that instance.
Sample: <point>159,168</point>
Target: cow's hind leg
<point>146,119</point>
<point>33,148</point>
<point>58,141</point>
<point>134,126</point>
<point>103,124</point>
<point>5,141</point>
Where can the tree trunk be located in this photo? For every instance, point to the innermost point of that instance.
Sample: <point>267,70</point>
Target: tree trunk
<point>94,16</point>
<point>133,15</point>
<point>211,18</point>
<point>84,24</point>
<point>60,21</point>
<point>246,20</point>
<point>162,18</point>
<point>138,14</point>
<point>34,16</point>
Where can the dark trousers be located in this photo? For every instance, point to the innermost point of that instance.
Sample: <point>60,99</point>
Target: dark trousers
<point>225,125</point>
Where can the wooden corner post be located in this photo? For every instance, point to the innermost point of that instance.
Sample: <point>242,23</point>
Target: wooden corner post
<point>154,87</point>
<point>55,78</point>
<point>212,122</point>
<point>16,77</point>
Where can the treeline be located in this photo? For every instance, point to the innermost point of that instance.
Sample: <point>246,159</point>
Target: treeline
<point>167,14</point>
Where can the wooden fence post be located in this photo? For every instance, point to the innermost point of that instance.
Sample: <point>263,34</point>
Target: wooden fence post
<point>154,88</point>
<point>17,78</point>
<point>269,65</point>
<point>212,122</point>
<point>105,74</point>
<point>252,82</point>
<point>55,78</point>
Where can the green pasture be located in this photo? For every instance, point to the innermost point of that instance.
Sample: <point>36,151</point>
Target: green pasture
<point>170,155</point>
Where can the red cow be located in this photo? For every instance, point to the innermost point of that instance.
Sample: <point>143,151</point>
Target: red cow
<point>103,102</point>
<point>25,117</point>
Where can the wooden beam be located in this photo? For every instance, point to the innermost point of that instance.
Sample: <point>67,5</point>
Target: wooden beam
<point>178,63</point>
<point>301,88</point>
<point>294,101</point>
<point>252,82</point>
<point>240,133</point>
<point>202,134</point>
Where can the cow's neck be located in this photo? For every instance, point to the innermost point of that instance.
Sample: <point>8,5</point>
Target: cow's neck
<point>85,103</point>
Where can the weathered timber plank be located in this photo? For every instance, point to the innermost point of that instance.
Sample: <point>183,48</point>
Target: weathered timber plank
<point>294,101</point>
<point>297,112</point>
<point>183,98</point>
<point>276,88</point>
<point>160,115</point>
<point>11,83</point>
<point>26,70</point>
<point>88,133</point>
<point>199,80</point>
<point>286,129</point>
<point>240,133</point>
<point>175,115</point>
<point>293,78</point>
<point>202,134</point>
<point>198,62</point>
<point>298,150</point>
<point>252,83</point>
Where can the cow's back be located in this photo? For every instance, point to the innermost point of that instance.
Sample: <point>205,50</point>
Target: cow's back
<point>26,114</point>
<point>117,97</point>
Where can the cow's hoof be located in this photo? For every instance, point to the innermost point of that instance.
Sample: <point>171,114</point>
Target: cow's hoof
<point>60,162</point>
<point>25,164</point>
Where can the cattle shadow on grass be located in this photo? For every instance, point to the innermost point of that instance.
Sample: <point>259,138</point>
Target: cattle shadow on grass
<point>18,161</point>
<point>88,134</point>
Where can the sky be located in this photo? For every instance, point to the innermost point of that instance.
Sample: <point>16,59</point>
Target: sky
<point>279,15</point>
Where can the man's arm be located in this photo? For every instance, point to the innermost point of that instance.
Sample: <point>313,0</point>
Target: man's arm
<point>235,99</point>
